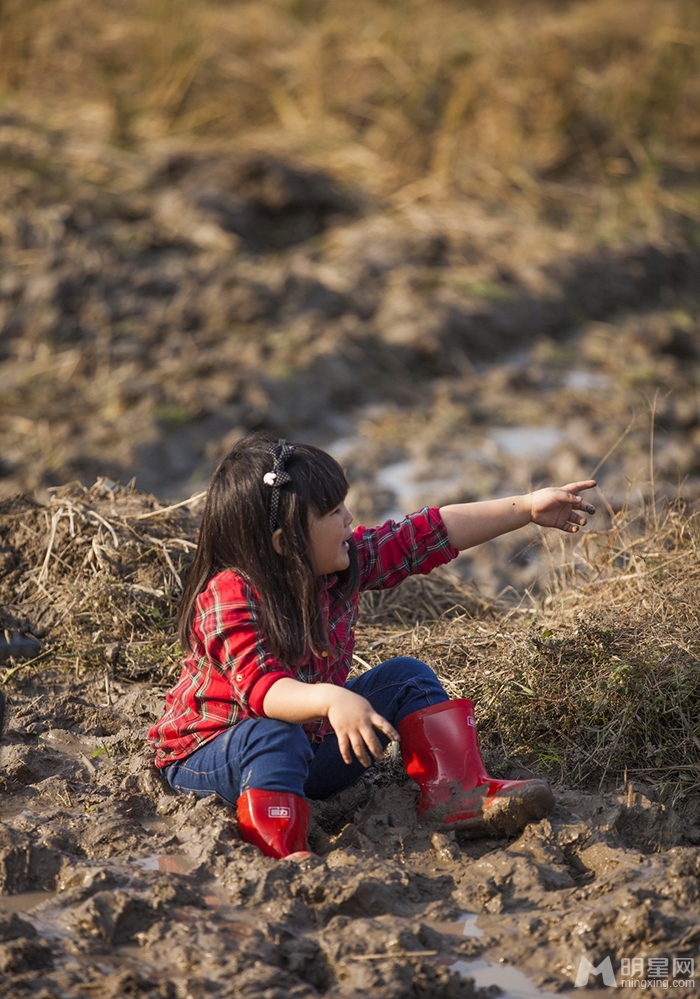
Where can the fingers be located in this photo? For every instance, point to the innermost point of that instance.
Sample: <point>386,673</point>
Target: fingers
<point>573,524</point>
<point>344,748</point>
<point>577,520</point>
<point>364,739</point>
<point>573,488</point>
<point>569,495</point>
<point>367,739</point>
<point>582,504</point>
<point>577,487</point>
<point>386,727</point>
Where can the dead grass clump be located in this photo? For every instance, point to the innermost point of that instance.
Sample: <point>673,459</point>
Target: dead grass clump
<point>441,595</point>
<point>620,653</point>
<point>604,699</point>
<point>97,572</point>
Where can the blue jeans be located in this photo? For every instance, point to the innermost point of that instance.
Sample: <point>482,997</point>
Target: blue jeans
<point>273,755</point>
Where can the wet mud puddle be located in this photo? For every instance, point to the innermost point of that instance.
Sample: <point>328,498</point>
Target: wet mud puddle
<point>25,901</point>
<point>513,984</point>
<point>44,911</point>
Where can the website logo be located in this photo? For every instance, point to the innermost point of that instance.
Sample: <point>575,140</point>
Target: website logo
<point>585,969</point>
<point>639,973</point>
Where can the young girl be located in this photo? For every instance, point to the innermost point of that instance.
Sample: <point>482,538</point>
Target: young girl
<point>264,714</point>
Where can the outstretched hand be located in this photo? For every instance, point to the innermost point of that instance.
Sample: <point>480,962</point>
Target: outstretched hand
<point>561,508</point>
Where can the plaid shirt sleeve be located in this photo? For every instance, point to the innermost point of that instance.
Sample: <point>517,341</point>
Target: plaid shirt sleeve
<point>397,549</point>
<point>227,627</point>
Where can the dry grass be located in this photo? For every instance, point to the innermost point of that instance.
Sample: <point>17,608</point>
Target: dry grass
<point>489,98</point>
<point>588,705</point>
<point>97,574</point>
<point>597,681</point>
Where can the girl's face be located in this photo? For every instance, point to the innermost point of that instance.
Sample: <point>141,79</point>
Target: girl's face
<point>329,536</point>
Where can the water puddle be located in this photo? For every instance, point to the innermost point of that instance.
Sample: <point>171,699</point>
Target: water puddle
<point>161,825</point>
<point>414,485</point>
<point>216,896</point>
<point>465,926</point>
<point>70,745</point>
<point>172,863</point>
<point>513,983</point>
<point>413,482</point>
<point>401,479</point>
<point>527,443</point>
<point>8,812</point>
<point>24,901</point>
<point>580,380</point>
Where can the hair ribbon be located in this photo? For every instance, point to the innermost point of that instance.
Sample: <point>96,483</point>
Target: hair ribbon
<point>281,452</point>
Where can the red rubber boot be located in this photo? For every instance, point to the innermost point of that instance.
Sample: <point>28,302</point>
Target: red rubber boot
<point>275,821</point>
<point>441,753</point>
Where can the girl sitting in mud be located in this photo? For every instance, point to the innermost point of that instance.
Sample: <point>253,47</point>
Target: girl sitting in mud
<point>263,714</point>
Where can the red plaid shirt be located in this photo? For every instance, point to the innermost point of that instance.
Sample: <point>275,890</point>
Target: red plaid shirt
<point>229,671</point>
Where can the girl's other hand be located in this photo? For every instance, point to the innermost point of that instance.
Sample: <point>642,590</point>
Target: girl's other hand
<point>354,721</point>
<point>561,508</point>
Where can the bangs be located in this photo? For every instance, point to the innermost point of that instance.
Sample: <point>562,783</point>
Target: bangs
<point>323,483</point>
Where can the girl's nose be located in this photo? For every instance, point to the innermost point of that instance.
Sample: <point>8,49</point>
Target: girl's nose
<point>348,517</point>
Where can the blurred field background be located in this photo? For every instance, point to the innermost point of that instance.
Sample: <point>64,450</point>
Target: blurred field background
<point>527,102</point>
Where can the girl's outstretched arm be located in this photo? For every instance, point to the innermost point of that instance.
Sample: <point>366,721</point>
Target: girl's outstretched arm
<point>470,524</point>
<point>352,717</point>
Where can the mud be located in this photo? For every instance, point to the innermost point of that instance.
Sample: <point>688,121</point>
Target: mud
<point>113,886</point>
<point>156,303</point>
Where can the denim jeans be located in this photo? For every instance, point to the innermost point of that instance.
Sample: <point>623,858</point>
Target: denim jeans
<point>273,755</point>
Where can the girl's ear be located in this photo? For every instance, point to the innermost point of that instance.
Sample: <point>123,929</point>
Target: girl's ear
<point>277,541</point>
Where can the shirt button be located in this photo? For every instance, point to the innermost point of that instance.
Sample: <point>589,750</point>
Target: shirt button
<point>239,677</point>
<point>324,654</point>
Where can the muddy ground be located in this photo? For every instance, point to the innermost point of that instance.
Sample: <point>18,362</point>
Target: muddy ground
<point>113,886</point>
<point>155,304</point>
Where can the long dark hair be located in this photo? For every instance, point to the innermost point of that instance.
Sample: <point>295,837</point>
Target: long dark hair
<point>235,534</point>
